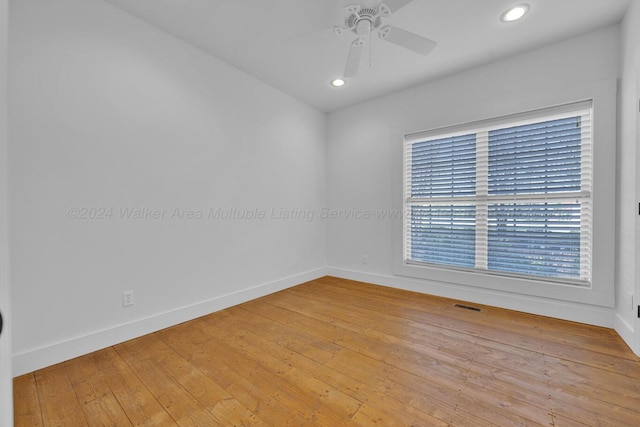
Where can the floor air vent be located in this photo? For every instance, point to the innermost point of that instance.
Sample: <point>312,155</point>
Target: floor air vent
<point>467,307</point>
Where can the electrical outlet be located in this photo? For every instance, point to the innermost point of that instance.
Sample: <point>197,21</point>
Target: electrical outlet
<point>296,261</point>
<point>127,298</point>
<point>365,259</point>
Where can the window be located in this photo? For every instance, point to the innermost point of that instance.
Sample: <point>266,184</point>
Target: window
<point>508,196</point>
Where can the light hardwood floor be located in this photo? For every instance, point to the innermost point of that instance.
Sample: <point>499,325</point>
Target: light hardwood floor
<point>334,352</point>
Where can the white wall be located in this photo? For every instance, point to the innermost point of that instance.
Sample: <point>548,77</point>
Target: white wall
<point>365,165</point>
<point>109,112</point>
<point>6,395</point>
<point>629,186</point>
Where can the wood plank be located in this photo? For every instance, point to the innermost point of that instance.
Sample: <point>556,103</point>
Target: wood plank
<point>366,392</point>
<point>58,400</point>
<point>429,365</point>
<point>138,403</point>
<point>338,352</point>
<point>328,390</point>
<point>515,379</point>
<point>99,405</point>
<point>388,299</point>
<point>26,404</point>
<point>504,327</point>
<point>319,401</point>
<point>182,406</point>
<point>224,407</point>
<point>235,373</point>
<point>594,338</point>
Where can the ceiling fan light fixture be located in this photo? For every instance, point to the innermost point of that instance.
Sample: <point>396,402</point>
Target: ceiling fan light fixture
<point>338,82</point>
<point>515,13</point>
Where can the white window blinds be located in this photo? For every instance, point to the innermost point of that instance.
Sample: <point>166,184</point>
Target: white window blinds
<point>508,196</point>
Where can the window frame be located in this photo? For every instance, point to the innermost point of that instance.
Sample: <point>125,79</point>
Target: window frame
<point>519,293</point>
<point>482,199</point>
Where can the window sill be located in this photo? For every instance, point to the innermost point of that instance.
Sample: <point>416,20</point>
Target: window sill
<point>530,287</point>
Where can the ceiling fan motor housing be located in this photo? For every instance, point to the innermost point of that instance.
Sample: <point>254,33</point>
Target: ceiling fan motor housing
<point>361,20</point>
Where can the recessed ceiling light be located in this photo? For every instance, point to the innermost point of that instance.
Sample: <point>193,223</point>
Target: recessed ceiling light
<point>515,13</point>
<point>338,82</point>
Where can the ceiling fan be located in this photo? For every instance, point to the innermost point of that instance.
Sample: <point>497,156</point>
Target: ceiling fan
<point>364,20</point>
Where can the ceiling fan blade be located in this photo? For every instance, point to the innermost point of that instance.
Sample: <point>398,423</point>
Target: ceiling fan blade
<point>353,60</point>
<point>318,35</point>
<point>395,5</point>
<point>324,21</point>
<point>406,39</point>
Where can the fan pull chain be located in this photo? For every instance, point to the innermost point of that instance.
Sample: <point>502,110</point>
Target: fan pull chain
<point>370,49</point>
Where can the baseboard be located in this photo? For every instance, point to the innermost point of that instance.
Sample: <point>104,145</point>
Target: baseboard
<point>39,358</point>
<point>582,313</point>
<point>625,330</point>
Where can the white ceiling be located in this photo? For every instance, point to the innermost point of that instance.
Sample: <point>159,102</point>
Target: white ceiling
<point>290,44</point>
